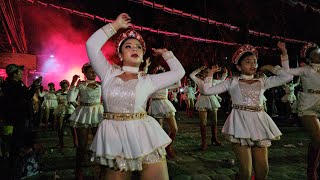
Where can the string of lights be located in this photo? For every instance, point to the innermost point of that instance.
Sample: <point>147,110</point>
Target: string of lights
<point>151,30</point>
<point>210,21</point>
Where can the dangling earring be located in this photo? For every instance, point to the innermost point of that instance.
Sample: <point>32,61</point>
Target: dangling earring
<point>121,59</point>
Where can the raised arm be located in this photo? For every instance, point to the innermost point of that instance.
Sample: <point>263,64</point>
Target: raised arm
<point>281,76</point>
<point>163,80</point>
<point>99,38</point>
<point>194,73</point>
<point>210,89</point>
<point>146,67</point>
<point>297,83</point>
<point>298,71</point>
<point>223,77</point>
<point>284,56</point>
<point>175,85</point>
<point>73,90</point>
<point>94,45</point>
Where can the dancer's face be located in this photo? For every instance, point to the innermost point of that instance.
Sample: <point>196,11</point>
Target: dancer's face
<point>90,74</point>
<point>248,65</point>
<point>51,87</point>
<point>131,53</point>
<point>64,86</point>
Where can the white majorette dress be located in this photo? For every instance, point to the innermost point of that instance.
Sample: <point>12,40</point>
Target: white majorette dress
<point>174,96</point>
<point>289,90</point>
<point>63,107</point>
<point>127,137</point>
<point>308,101</point>
<point>50,100</point>
<point>248,124</point>
<point>160,106</point>
<point>89,112</point>
<point>204,102</point>
<point>190,92</point>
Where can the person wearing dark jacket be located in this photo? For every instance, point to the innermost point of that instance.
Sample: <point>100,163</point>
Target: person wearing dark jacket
<point>18,109</point>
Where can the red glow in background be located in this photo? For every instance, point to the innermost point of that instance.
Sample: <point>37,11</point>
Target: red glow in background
<point>53,32</point>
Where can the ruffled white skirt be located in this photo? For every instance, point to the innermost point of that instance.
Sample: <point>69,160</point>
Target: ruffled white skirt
<point>126,145</point>
<point>191,96</point>
<point>251,128</point>
<point>63,109</point>
<point>289,98</point>
<point>87,116</point>
<point>49,104</point>
<point>207,103</point>
<point>161,108</point>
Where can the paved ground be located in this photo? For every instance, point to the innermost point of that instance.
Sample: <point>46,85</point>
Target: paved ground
<point>287,157</point>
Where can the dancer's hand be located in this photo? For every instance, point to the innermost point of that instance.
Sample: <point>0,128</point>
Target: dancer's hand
<point>148,62</point>
<point>75,80</point>
<point>213,70</point>
<point>282,47</point>
<point>158,52</point>
<point>122,21</point>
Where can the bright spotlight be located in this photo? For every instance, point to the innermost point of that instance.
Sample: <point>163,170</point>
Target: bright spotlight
<point>51,56</point>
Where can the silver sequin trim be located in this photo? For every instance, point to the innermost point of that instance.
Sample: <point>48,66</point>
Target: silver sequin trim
<point>250,142</point>
<point>122,164</point>
<point>121,96</point>
<point>108,30</point>
<point>80,125</point>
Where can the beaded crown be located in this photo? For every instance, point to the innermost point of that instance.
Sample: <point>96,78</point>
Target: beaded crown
<point>243,49</point>
<point>306,48</point>
<point>130,33</point>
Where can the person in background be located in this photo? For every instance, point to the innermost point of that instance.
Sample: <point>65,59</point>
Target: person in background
<point>18,111</point>
<point>63,112</point>
<point>49,104</point>
<point>309,103</point>
<point>163,110</point>
<point>207,103</point>
<point>190,91</point>
<point>248,127</point>
<point>88,115</point>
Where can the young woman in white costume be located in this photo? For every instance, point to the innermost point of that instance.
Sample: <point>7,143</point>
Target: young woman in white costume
<point>248,126</point>
<point>49,104</point>
<point>128,139</point>
<point>190,97</point>
<point>308,103</point>
<point>63,112</point>
<point>88,115</point>
<point>207,104</point>
<point>162,109</point>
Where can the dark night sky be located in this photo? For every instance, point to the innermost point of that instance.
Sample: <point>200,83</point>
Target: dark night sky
<point>273,16</point>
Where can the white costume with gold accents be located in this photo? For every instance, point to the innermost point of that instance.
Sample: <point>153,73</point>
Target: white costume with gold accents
<point>90,109</point>
<point>253,128</point>
<point>126,145</point>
